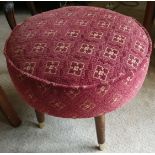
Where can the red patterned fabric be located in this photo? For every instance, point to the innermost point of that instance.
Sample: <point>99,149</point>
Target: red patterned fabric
<point>78,61</point>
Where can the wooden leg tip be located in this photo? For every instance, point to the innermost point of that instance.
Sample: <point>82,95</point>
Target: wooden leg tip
<point>101,147</point>
<point>41,125</point>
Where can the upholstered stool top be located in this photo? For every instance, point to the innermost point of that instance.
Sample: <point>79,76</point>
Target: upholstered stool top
<point>83,49</point>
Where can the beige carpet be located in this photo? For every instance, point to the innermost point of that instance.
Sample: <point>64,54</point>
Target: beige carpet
<point>129,129</point>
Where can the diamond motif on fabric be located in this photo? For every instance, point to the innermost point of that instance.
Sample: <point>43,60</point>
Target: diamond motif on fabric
<point>87,106</point>
<point>39,47</point>
<point>140,47</point>
<point>109,16</point>
<point>40,23</point>
<point>72,93</point>
<point>76,68</point>
<point>50,33</point>
<point>60,22</point>
<point>86,48</point>
<point>73,33</point>
<point>51,67</point>
<point>124,28</point>
<point>133,61</point>
<point>111,53</point>
<point>69,14</point>
<point>82,22</point>
<point>57,105</point>
<point>29,35</point>
<point>96,35</point>
<point>90,14</point>
<point>100,73</point>
<point>18,50</point>
<point>29,67</point>
<point>116,99</point>
<point>119,38</point>
<point>103,90</point>
<point>103,24</point>
<point>129,78</point>
<point>62,47</point>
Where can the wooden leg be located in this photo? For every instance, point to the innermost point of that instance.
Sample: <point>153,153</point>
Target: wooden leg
<point>100,130</point>
<point>7,110</point>
<point>9,13</point>
<point>149,15</point>
<point>32,7</point>
<point>41,118</point>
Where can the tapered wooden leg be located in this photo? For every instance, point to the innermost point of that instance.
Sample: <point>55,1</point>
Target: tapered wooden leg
<point>32,7</point>
<point>149,16</point>
<point>7,110</point>
<point>41,118</point>
<point>9,13</point>
<point>100,130</point>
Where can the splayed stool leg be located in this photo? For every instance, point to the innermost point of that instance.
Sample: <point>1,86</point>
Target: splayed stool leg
<point>41,119</point>
<point>100,130</point>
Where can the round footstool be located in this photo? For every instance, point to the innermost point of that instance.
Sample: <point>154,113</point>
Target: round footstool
<point>78,62</point>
